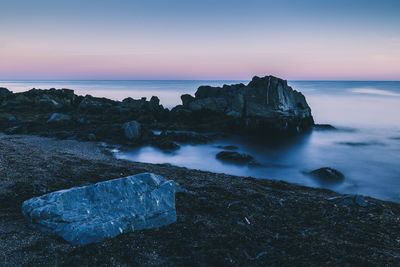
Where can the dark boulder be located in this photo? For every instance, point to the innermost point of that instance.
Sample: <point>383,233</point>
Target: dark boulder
<point>265,107</point>
<point>236,157</point>
<point>165,143</point>
<point>327,174</point>
<point>186,99</point>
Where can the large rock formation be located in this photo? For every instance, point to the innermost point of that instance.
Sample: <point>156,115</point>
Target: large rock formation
<point>266,106</point>
<point>83,215</point>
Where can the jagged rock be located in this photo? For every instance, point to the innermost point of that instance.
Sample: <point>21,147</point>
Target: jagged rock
<point>236,157</point>
<point>266,106</point>
<point>4,92</point>
<point>88,214</point>
<point>186,99</point>
<point>92,104</point>
<point>327,174</point>
<point>59,117</point>
<point>132,130</point>
<point>129,102</point>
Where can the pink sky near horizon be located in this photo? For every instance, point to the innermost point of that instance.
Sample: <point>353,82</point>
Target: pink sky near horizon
<point>299,60</point>
<point>142,42</point>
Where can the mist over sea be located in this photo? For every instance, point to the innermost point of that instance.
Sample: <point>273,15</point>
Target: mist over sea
<point>366,146</point>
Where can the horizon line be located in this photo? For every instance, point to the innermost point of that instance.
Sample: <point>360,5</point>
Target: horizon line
<point>294,80</point>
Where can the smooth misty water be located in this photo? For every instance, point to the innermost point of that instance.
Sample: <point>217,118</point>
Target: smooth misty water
<point>366,148</point>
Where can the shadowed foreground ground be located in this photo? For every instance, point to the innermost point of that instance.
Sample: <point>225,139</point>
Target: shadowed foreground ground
<point>222,220</point>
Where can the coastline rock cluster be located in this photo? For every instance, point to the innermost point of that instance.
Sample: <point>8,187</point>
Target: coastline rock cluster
<point>267,107</point>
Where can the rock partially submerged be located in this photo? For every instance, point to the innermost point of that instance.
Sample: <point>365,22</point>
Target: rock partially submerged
<point>266,106</point>
<point>88,214</point>
<point>324,127</point>
<point>327,174</point>
<point>236,157</point>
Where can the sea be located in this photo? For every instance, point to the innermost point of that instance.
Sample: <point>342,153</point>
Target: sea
<point>365,147</point>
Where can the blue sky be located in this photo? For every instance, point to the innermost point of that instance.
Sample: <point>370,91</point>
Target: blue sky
<point>123,39</point>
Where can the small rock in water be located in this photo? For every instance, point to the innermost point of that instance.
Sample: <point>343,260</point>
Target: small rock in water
<point>327,174</point>
<point>236,157</point>
<point>88,214</point>
<point>324,127</point>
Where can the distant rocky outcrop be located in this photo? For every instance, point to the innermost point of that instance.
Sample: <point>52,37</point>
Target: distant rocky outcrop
<point>84,215</point>
<point>266,107</point>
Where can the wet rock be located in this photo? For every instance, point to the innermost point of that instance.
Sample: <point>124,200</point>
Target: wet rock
<point>361,144</point>
<point>327,174</point>
<point>165,143</point>
<point>236,157</point>
<point>88,214</point>
<point>59,117</point>
<point>132,130</point>
<point>266,106</point>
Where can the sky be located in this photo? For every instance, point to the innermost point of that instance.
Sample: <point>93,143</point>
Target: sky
<point>203,39</point>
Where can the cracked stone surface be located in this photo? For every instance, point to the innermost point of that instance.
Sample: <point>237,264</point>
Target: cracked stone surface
<point>88,214</point>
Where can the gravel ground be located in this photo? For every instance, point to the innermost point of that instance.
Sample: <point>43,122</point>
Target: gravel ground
<point>222,219</point>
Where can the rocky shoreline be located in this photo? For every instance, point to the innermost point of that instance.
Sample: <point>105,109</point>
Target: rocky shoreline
<point>266,108</point>
<point>221,219</point>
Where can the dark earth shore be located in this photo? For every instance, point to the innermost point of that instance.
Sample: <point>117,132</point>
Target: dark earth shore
<point>222,219</point>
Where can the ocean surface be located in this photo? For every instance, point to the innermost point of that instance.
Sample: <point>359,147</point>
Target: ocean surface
<point>366,146</point>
